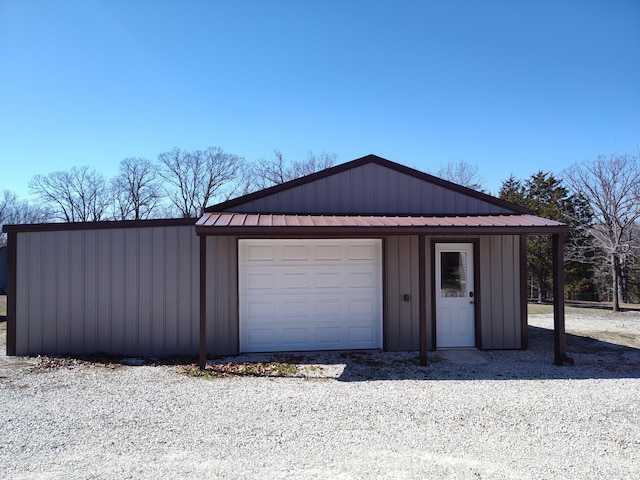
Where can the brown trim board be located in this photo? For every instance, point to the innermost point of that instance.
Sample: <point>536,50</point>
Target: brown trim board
<point>202,359</point>
<point>64,226</point>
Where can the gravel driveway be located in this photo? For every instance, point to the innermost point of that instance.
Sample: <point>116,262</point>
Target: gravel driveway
<point>359,415</point>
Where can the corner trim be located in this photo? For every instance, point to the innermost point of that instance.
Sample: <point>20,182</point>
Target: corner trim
<point>524,320</point>
<point>12,283</point>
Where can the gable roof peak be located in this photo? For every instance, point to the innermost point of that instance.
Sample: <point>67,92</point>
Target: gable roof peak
<point>359,162</point>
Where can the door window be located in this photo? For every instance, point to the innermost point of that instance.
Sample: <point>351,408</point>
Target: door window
<point>453,274</point>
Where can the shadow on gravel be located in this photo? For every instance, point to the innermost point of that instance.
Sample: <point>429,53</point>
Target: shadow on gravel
<point>595,359</point>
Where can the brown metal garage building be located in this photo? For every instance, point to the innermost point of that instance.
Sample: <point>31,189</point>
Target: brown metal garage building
<point>367,254</point>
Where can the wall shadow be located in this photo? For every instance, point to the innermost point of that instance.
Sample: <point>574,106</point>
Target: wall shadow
<point>594,359</point>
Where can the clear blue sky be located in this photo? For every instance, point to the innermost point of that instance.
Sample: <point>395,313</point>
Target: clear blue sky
<point>512,86</point>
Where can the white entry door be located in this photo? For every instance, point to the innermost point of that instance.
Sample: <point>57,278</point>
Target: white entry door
<point>455,308</point>
<point>310,294</point>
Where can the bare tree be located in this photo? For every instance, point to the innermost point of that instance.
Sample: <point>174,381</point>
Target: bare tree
<point>462,173</point>
<point>197,178</point>
<point>14,211</point>
<point>611,186</point>
<point>77,195</point>
<point>275,171</point>
<point>136,190</point>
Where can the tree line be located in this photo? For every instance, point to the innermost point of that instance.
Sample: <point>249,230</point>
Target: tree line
<point>599,199</point>
<point>179,183</point>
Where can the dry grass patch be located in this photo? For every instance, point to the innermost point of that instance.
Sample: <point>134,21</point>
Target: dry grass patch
<point>3,305</point>
<point>244,369</point>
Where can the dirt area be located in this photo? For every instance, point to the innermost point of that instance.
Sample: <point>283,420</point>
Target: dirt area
<point>620,328</point>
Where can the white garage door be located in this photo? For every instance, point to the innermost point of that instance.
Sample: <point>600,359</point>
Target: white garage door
<point>310,294</point>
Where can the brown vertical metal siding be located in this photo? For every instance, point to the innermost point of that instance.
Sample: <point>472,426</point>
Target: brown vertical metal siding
<point>222,295</point>
<point>122,291</point>
<point>370,188</point>
<point>500,292</point>
<point>402,270</point>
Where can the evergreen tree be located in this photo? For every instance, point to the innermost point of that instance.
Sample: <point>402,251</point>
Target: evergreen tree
<point>546,197</point>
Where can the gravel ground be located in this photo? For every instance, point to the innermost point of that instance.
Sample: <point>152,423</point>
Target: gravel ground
<point>491,415</point>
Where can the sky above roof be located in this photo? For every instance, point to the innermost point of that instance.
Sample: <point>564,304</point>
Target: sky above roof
<point>513,87</point>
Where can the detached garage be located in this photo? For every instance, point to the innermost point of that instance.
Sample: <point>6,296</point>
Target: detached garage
<point>365,255</point>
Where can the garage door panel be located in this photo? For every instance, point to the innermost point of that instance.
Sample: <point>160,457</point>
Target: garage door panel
<point>361,334</point>
<point>262,252</point>
<point>361,280</point>
<point>260,281</point>
<point>295,336</point>
<point>330,307</point>
<point>295,308</point>
<point>292,337</point>
<point>325,294</point>
<point>326,336</point>
<point>361,252</point>
<point>328,253</point>
<point>294,280</point>
<point>361,307</point>
<point>295,253</point>
<point>256,309</point>
<point>260,338</point>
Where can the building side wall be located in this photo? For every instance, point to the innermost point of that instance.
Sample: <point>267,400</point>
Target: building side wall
<point>370,189</point>
<point>127,291</point>
<point>500,292</point>
<point>222,296</point>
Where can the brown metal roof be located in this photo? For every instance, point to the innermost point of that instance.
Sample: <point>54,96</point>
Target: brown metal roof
<point>228,223</point>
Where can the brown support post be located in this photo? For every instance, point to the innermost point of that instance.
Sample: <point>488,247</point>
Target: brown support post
<point>559,338</point>
<point>12,281</point>
<point>203,302</point>
<point>422,287</point>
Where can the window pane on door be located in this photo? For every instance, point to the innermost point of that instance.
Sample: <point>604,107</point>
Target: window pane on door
<point>453,274</point>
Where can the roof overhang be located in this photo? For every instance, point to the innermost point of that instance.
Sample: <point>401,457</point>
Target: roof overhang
<point>265,225</point>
